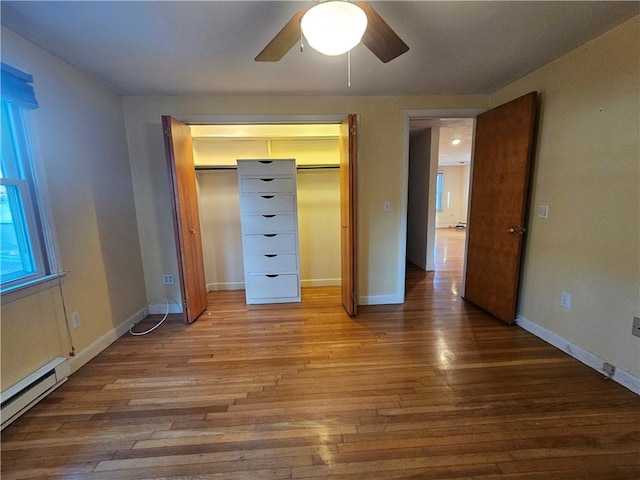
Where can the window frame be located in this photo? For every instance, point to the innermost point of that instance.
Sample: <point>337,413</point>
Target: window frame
<point>30,190</point>
<point>439,188</point>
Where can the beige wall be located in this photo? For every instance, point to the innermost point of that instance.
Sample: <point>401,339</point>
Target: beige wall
<point>420,151</point>
<point>79,128</point>
<point>381,175</point>
<point>319,226</point>
<point>219,206</point>
<point>587,169</point>
<point>455,187</point>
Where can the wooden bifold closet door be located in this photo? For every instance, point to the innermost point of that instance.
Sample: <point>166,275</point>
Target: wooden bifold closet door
<point>348,218</point>
<point>182,177</point>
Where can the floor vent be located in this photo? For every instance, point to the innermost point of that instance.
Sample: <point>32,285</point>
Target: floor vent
<point>20,397</point>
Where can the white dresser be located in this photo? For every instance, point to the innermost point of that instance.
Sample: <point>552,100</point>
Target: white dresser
<point>269,220</point>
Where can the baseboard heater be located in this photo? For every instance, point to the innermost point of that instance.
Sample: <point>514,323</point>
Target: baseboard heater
<point>20,397</point>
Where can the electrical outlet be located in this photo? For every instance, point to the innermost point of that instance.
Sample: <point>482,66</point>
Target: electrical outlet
<point>167,279</point>
<point>565,300</point>
<point>543,211</point>
<point>636,326</point>
<point>608,369</point>
<point>75,319</point>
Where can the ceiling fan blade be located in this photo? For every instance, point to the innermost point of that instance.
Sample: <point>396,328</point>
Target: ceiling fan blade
<point>383,42</point>
<point>283,41</point>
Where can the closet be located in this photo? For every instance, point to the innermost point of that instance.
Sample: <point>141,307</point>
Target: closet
<point>315,165</point>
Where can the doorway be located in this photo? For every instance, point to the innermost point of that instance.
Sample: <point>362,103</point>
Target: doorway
<point>439,167</point>
<point>503,145</point>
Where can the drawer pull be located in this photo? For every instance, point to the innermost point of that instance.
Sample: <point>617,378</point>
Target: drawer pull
<point>272,276</point>
<point>266,162</point>
<point>270,255</point>
<point>270,235</point>
<point>267,196</point>
<point>268,216</point>
<point>266,179</point>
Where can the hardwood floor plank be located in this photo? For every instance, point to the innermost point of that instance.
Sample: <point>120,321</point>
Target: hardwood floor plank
<point>175,474</point>
<point>577,473</point>
<point>565,463</point>
<point>430,389</point>
<point>194,437</point>
<point>225,456</point>
<point>65,452</point>
<point>363,468</point>
<point>80,470</point>
<point>319,443</point>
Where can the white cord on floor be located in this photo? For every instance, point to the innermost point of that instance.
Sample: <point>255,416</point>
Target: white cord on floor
<point>166,314</point>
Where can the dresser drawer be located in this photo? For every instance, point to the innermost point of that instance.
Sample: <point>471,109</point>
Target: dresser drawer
<point>269,243</point>
<point>267,203</point>
<point>272,286</point>
<point>269,223</point>
<point>266,167</point>
<point>267,185</point>
<point>271,263</point>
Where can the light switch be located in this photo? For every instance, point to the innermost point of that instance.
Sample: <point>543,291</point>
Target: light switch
<point>387,206</point>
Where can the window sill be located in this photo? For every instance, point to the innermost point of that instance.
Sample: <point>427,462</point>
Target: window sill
<point>26,289</point>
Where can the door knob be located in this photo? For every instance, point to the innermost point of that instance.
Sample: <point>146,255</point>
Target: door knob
<point>517,230</point>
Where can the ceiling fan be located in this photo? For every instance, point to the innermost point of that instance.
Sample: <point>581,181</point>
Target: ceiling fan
<point>378,36</point>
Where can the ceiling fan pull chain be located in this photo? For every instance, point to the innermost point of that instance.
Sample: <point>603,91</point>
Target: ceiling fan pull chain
<point>349,69</point>
<point>301,41</point>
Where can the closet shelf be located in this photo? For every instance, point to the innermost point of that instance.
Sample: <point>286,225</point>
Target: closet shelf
<point>234,167</point>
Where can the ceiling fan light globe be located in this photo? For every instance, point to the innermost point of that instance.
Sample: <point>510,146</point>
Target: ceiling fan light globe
<point>334,27</point>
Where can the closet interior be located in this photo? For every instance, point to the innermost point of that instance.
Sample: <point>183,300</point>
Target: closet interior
<point>315,148</point>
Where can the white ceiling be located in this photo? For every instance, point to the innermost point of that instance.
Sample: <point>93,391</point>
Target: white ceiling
<point>208,47</point>
<point>449,129</point>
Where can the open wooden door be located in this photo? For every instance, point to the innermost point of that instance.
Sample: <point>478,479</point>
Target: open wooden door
<point>182,177</point>
<point>503,149</point>
<point>348,219</point>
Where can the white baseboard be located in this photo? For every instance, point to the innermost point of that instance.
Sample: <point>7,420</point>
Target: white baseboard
<point>380,300</point>
<point>427,267</point>
<point>161,308</point>
<point>417,263</point>
<point>105,340</point>
<point>214,287</point>
<point>620,376</point>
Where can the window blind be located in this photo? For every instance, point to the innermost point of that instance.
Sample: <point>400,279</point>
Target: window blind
<point>16,87</point>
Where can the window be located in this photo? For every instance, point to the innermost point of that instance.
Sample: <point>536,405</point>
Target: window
<point>439,191</point>
<point>25,254</point>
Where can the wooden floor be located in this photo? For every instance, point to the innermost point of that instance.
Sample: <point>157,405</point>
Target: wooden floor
<point>431,389</point>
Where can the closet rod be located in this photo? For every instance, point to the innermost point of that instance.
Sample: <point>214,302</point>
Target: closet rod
<point>316,167</point>
<point>299,167</point>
